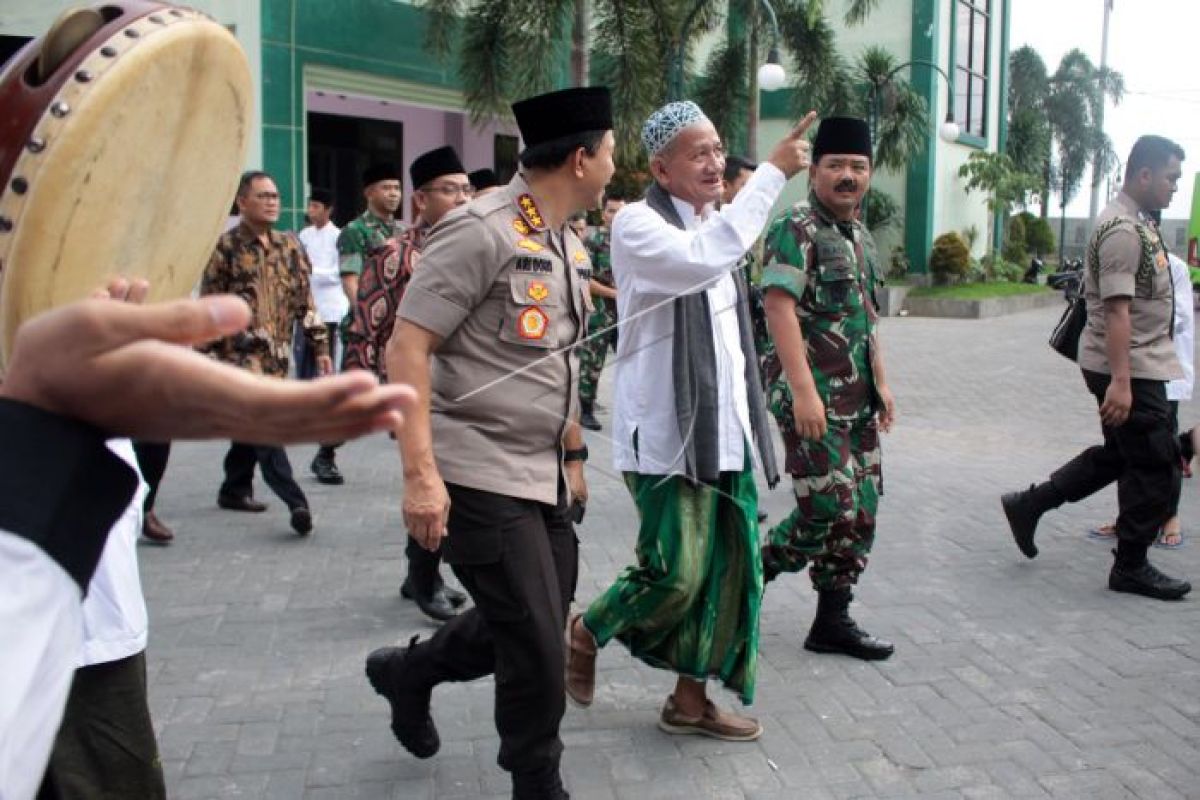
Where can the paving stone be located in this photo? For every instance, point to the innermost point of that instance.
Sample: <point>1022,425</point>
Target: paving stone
<point>1012,678</point>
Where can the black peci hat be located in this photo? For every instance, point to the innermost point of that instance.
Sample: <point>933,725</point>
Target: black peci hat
<point>434,164</point>
<point>322,196</point>
<point>843,136</point>
<point>380,172</point>
<point>483,179</point>
<point>552,116</point>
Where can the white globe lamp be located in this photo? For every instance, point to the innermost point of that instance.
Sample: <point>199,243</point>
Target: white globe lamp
<point>771,75</point>
<point>949,130</point>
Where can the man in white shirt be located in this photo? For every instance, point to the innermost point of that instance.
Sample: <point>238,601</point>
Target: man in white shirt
<point>691,602</point>
<point>320,240</point>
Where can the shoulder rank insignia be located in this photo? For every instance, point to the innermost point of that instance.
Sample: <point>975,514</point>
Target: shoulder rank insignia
<point>530,245</point>
<point>530,212</point>
<point>537,291</point>
<point>521,226</point>
<point>532,323</point>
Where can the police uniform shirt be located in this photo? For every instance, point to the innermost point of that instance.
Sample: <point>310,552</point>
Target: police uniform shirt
<point>1137,268</point>
<point>504,294</point>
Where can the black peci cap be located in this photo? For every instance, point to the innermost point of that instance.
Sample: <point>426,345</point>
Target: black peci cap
<point>434,164</point>
<point>483,179</point>
<point>322,196</point>
<point>380,172</point>
<point>552,116</point>
<point>843,136</point>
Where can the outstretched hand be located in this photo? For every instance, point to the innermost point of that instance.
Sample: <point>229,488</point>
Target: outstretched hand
<point>793,152</point>
<point>130,371</point>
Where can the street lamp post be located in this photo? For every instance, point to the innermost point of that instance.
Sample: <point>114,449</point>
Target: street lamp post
<point>948,130</point>
<point>771,75</point>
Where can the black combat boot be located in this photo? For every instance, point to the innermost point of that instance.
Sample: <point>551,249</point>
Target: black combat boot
<point>394,674</point>
<point>1025,508</point>
<point>543,784</point>
<point>586,416</point>
<point>1132,573</point>
<point>833,631</point>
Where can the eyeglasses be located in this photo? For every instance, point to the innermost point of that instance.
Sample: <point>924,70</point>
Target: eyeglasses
<point>452,189</point>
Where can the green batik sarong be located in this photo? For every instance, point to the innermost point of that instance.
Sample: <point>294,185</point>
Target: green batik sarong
<point>691,604</point>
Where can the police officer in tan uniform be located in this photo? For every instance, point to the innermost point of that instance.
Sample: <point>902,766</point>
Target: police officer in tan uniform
<point>493,455</point>
<point>1126,357</point>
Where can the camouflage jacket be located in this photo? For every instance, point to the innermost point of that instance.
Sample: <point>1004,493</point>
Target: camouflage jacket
<point>274,283</point>
<point>599,246</point>
<point>828,268</point>
<point>385,275</point>
<point>361,235</point>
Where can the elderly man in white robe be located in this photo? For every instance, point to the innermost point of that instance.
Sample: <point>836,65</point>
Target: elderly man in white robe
<point>687,445</point>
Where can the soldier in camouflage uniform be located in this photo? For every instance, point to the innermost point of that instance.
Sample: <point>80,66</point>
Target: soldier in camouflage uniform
<point>375,228</point>
<point>270,272</point>
<point>602,330</point>
<point>827,389</point>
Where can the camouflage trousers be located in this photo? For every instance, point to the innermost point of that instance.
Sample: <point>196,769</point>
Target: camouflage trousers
<point>691,602</point>
<point>836,483</point>
<point>592,355</point>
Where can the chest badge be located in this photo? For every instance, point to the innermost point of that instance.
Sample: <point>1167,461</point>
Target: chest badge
<point>537,291</point>
<point>530,245</point>
<point>579,257</point>
<point>532,323</point>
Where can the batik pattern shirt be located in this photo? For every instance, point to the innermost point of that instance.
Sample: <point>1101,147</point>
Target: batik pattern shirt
<point>274,282</point>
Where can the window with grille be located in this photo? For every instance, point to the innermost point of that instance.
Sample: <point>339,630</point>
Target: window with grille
<point>973,24</point>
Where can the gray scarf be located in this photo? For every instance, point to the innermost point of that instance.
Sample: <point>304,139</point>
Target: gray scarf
<point>694,372</point>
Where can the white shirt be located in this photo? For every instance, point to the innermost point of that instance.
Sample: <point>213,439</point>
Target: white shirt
<point>1185,330</point>
<point>321,246</point>
<point>114,612</point>
<point>40,627</point>
<point>653,263</point>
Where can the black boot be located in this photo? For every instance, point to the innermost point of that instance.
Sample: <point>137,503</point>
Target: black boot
<point>325,468</point>
<point>833,631</point>
<point>1134,574</point>
<point>393,673</point>
<point>1025,508</point>
<point>543,784</point>
<point>586,418</point>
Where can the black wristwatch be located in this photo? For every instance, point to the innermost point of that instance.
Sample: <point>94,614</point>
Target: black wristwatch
<point>576,455</point>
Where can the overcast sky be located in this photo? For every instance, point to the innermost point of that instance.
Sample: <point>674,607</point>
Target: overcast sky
<point>1154,44</point>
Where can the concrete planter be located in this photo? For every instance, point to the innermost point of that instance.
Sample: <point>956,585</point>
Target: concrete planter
<point>891,299</point>
<point>979,309</point>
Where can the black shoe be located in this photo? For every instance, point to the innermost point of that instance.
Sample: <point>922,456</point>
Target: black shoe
<point>437,606</point>
<point>834,631</point>
<point>302,520</point>
<point>1147,581</point>
<point>588,420</point>
<point>240,502</point>
<point>411,722</point>
<point>326,471</point>
<point>544,784</point>
<point>457,599</point>
<point>1023,518</point>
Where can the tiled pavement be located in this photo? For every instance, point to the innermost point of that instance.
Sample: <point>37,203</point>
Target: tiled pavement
<point>1011,678</point>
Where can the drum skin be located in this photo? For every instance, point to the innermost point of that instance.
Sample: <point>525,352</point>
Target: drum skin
<point>123,163</point>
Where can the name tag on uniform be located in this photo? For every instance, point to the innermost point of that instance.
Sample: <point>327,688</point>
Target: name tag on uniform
<point>528,264</point>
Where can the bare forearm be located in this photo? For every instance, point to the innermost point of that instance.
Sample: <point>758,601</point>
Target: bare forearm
<point>350,286</point>
<point>598,289</point>
<point>408,362</point>
<point>877,368</point>
<point>1117,336</point>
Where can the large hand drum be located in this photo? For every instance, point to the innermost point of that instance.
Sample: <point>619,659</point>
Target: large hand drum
<point>122,135</point>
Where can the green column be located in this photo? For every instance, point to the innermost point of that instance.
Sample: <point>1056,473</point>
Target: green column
<point>1002,140</point>
<point>921,184</point>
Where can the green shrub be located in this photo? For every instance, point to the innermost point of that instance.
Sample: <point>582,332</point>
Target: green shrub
<point>1014,240</point>
<point>1039,236</point>
<point>950,258</point>
<point>997,269</point>
<point>899,266</point>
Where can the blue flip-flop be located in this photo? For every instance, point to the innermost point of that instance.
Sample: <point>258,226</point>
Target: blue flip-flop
<point>1161,545</point>
<point>1102,533</point>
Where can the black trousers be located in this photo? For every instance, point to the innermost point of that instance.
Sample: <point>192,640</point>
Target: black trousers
<point>423,574</point>
<point>519,561</point>
<point>105,747</point>
<point>276,471</point>
<point>1142,456</point>
<point>152,460</point>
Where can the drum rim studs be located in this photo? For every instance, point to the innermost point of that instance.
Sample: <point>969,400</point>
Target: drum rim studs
<point>108,51</point>
<point>60,108</point>
<point>83,76</point>
<point>6,225</point>
<point>35,144</point>
<point>132,33</point>
<point>19,185</point>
